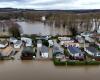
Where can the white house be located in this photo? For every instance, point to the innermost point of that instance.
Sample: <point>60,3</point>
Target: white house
<point>43,18</point>
<point>65,40</point>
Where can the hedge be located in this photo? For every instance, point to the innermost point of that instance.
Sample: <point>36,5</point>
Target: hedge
<point>83,62</point>
<point>59,63</point>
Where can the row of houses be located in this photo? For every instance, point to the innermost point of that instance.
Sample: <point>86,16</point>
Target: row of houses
<point>78,46</point>
<point>18,43</point>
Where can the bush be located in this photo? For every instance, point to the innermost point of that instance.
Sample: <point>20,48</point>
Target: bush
<point>45,42</point>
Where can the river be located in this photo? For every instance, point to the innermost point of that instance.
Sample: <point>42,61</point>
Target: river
<point>40,28</point>
<point>45,70</point>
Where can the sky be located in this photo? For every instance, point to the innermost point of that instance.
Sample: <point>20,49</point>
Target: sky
<point>51,4</point>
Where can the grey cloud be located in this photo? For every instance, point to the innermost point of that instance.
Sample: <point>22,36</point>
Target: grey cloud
<point>52,2</point>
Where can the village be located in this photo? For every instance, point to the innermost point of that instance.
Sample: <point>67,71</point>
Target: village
<point>81,49</point>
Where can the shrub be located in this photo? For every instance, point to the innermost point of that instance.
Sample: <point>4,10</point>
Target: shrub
<point>45,42</point>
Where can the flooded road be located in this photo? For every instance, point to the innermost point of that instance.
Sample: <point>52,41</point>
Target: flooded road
<point>40,28</point>
<point>45,70</point>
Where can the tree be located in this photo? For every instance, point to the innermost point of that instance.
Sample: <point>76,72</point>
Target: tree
<point>15,31</point>
<point>73,31</point>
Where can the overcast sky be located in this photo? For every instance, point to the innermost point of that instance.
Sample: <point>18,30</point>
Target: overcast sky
<point>51,4</point>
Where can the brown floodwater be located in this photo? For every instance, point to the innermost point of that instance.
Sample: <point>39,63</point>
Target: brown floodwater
<point>40,28</point>
<point>45,70</point>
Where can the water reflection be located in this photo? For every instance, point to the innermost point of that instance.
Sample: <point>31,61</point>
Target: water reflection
<point>41,28</point>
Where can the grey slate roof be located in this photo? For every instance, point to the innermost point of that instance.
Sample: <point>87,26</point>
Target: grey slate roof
<point>74,50</point>
<point>93,50</point>
<point>44,49</point>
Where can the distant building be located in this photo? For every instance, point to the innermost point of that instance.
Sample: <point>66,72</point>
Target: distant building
<point>43,18</point>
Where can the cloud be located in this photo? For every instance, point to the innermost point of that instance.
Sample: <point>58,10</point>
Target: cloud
<point>51,4</point>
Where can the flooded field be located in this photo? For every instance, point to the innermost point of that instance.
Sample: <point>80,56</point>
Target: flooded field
<point>40,28</point>
<point>45,70</point>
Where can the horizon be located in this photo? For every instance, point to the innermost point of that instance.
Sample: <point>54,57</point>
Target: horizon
<point>51,4</point>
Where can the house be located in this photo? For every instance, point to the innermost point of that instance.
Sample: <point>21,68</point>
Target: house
<point>75,52</point>
<point>39,43</point>
<point>43,18</point>
<point>27,53</point>
<point>28,41</point>
<point>66,44</point>
<point>18,44</point>
<point>92,51</point>
<point>44,52</point>
<point>65,40</point>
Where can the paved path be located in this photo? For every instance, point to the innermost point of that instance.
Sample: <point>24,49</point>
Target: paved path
<point>17,56</point>
<point>38,53</point>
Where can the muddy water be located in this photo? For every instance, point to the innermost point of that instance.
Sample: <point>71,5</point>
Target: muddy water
<point>40,28</point>
<point>45,70</point>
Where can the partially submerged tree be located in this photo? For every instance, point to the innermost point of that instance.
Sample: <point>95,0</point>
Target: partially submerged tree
<point>15,30</point>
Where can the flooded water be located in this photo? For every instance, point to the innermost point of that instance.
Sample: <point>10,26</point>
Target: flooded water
<point>45,70</point>
<point>40,28</point>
